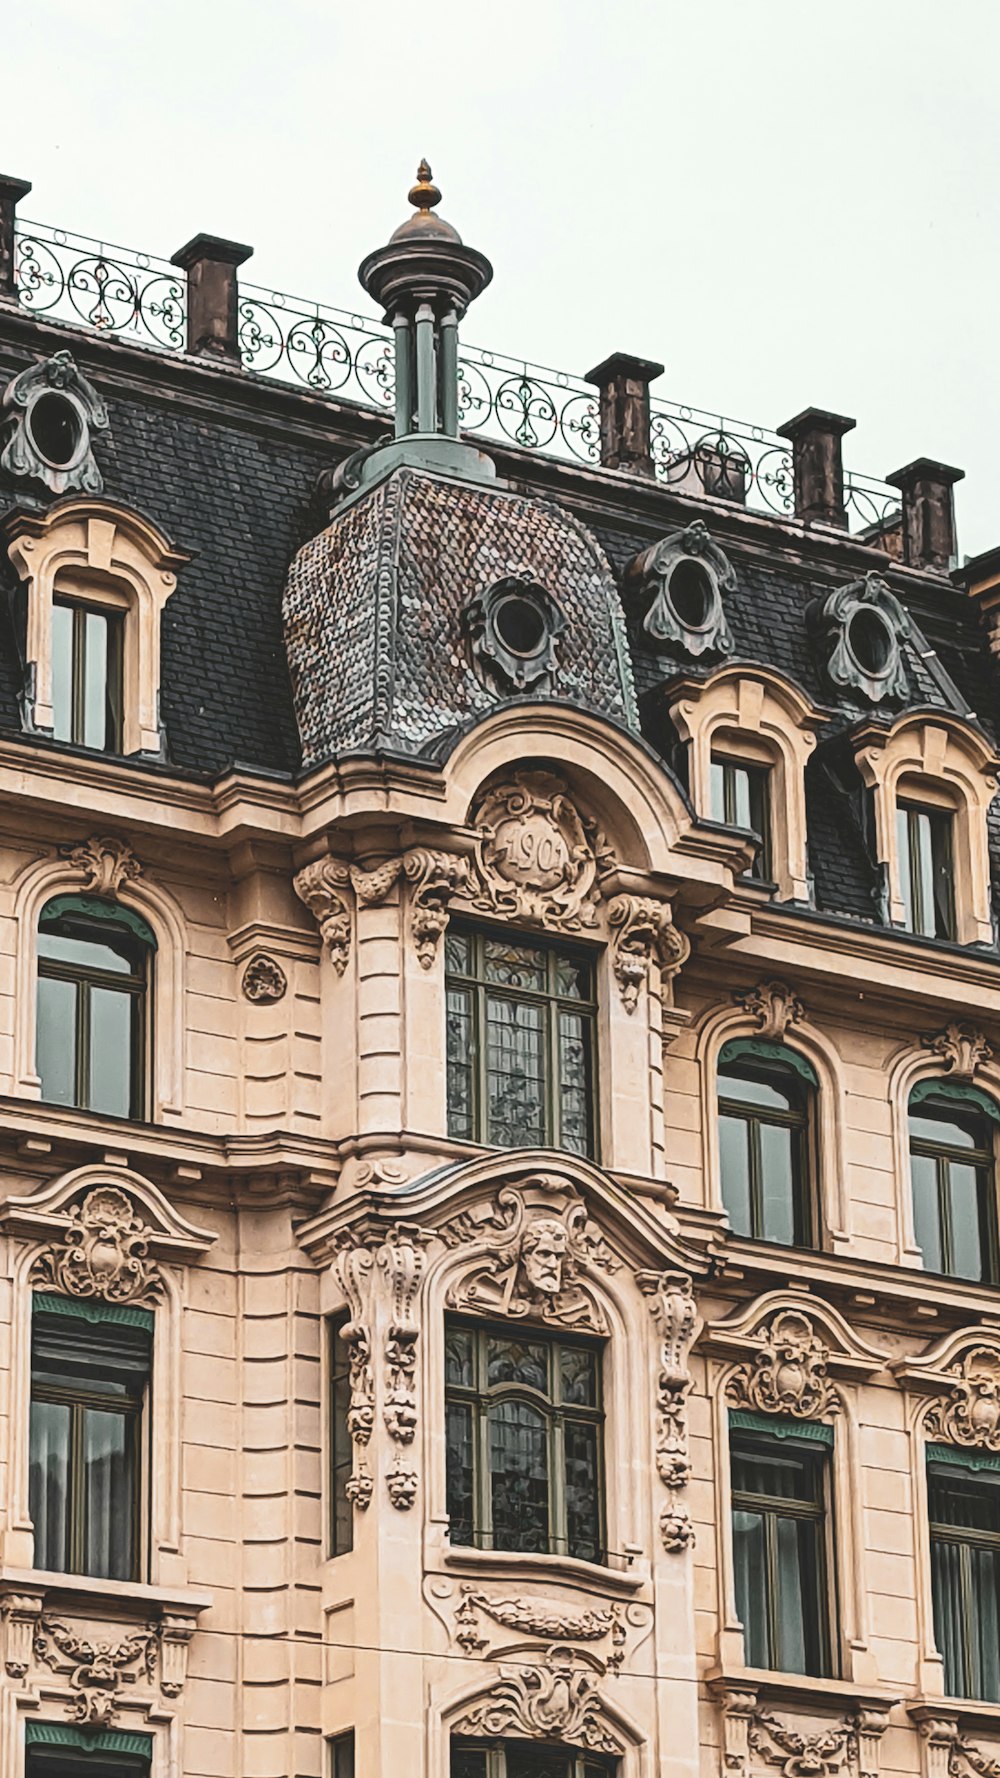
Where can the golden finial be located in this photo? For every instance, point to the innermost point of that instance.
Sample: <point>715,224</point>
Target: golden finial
<point>425,194</point>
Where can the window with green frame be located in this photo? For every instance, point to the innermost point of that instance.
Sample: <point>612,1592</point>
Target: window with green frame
<point>926,870</point>
<point>781,1549</point>
<point>341,1448</point>
<point>765,1097</point>
<point>94,960</point>
<point>953,1180</point>
<point>525,1759</point>
<point>60,1750</point>
<point>963,1509</point>
<point>741,797</point>
<point>520,1042</point>
<point>89,1386</point>
<point>524,1441</point>
<point>87,675</point>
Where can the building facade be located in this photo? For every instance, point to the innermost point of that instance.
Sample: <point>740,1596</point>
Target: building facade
<point>499,1068</point>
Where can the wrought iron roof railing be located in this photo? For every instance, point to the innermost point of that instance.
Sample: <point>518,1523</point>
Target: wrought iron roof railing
<point>70,278</point>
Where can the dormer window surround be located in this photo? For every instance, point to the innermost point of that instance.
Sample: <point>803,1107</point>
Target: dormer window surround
<point>750,733</point>
<point>51,414</point>
<point>96,578</point>
<point>933,779</point>
<point>681,580</point>
<point>860,632</point>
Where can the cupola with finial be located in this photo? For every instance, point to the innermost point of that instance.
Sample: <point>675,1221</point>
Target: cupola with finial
<point>424,279</point>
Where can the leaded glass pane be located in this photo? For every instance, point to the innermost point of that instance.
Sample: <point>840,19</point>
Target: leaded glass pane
<point>538,1762</point>
<point>457,952</point>
<point>517,1361</point>
<point>341,1450</point>
<point>514,966</point>
<point>459,1470</point>
<point>574,1094</point>
<point>468,1762</point>
<point>570,977</point>
<point>578,1375</point>
<point>515,1082</point>
<point>519,1469</point>
<point>460,1063</point>
<point>458,1366</point>
<point>583,1530</point>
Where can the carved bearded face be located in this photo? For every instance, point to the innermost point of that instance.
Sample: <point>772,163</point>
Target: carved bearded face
<point>543,1251</point>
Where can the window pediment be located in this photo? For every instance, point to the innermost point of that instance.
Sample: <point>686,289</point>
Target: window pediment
<point>104,1232</point>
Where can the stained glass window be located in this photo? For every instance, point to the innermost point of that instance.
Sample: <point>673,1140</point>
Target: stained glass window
<point>524,1432</point>
<point>520,1024</point>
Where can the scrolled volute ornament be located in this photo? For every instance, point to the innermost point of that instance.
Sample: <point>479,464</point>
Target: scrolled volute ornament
<point>643,933</point>
<point>104,1253</point>
<point>433,877</point>
<point>321,886</point>
<point>788,1374</point>
<point>681,580</point>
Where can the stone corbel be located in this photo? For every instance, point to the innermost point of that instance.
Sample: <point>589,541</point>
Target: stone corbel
<point>870,1725</point>
<point>772,1006</point>
<point>433,877</point>
<point>176,1631</point>
<point>402,1258</point>
<point>672,1305</point>
<point>939,1738</point>
<point>330,886</point>
<point>643,933</point>
<point>325,886</point>
<point>21,1612</point>
<point>737,1710</point>
<point>961,1049</point>
<point>104,863</point>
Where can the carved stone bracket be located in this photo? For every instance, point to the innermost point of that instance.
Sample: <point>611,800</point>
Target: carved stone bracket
<point>961,1048</point>
<point>105,863</point>
<point>329,886</point>
<point>530,1249</point>
<point>402,1258</point>
<point>353,1263</point>
<point>672,1305</point>
<point>644,933</point>
<point>21,1612</point>
<point>788,1372</point>
<point>772,1006</point>
<point>557,1700</point>
<point>434,877</point>
<point>96,1667</point>
<point>322,886</point>
<point>105,1252</point>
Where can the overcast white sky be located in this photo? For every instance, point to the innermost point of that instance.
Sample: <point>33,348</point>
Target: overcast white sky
<point>786,203</point>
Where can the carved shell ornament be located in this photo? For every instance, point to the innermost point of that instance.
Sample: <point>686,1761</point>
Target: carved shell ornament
<point>104,1252</point>
<point>264,980</point>
<point>681,580</point>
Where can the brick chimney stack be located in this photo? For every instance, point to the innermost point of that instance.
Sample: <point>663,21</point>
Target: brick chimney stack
<point>212,295</point>
<point>623,385</point>
<point>929,538</point>
<point>11,193</point>
<point>817,465</point>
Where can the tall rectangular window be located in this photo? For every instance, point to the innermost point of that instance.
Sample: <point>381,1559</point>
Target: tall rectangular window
<point>954,1189</point>
<point>764,1147</point>
<point>524,1441</point>
<point>341,1449</point>
<point>926,872</point>
<point>520,1043</point>
<point>780,1534</point>
<point>964,1514</point>
<point>520,1759</point>
<point>89,1383</point>
<point>342,1755</point>
<point>93,969</point>
<point>741,797</point>
<point>87,676</point>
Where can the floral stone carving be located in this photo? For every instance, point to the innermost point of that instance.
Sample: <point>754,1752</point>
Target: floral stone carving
<point>644,932</point>
<point>264,980</point>
<point>321,886</point>
<point>533,1260</point>
<point>772,1006</point>
<point>672,1304</point>
<point>535,1617</point>
<point>537,857</point>
<point>402,1258</point>
<point>961,1048</point>
<point>788,1375</point>
<point>556,1701</point>
<point>104,1252</point>
<point>106,864</point>
<point>970,1416</point>
<point>97,1668</point>
<point>434,878</point>
<point>353,1264</point>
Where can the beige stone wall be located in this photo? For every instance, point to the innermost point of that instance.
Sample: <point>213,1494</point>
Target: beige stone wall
<point>298,1164</point>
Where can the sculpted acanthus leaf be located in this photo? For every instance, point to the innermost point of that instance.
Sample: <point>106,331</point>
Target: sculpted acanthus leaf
<point>556,1701</point>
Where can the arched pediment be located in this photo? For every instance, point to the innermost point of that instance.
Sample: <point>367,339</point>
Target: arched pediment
<point>787,1347</point>
<point>111,1205</point>
<point>960,1374</point>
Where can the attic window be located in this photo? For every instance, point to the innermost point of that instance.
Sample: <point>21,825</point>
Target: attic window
<point>513,629</point>
<point>692,593</point>
<point>870,640</point>
<point>56,427</point>
<point>520,624</point>
<point>679,583</point>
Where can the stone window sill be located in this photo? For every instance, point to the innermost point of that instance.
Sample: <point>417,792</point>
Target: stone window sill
<point>569,1570</point>
<point>94,1597</point>
<point>799,1688</point>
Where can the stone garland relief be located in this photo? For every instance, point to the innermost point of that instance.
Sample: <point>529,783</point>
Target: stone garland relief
<point>672,1305</point>
<point>538,859</point>
<point>104,1252</point>
<point>96,1668</point>
<point>751,1734</point>
<point>535,1617</point>
<point>788,1374</point>
<point>555,1700</point>
<point>533,1258</point>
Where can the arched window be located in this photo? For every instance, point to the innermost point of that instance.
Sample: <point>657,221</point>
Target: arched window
<point>765,1149</point>
<point>93,979</point>
<point>952,1173</point>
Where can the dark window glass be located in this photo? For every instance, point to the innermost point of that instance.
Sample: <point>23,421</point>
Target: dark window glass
<point>520,1043</point>
<point>764,1151</point>
<point>342,1756</point>
<point>519,1759</point>
<point>341,1450</point>
<point>951,1171</point>
<point>779,1554</point>
<point>42,1761</point>
<point>926,873</point>
<point>86,676</point>
<point>92,977</point>
<point>524,1431</point>
<point>741,797</point>
<point>88,1387</point>
<point>964,1514</point>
